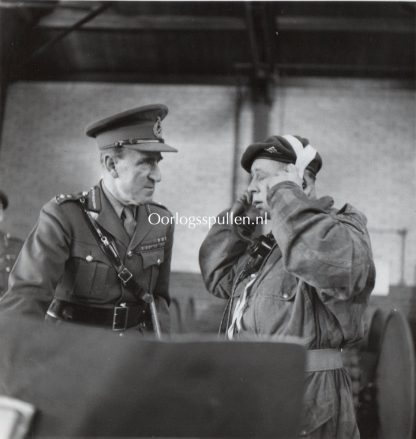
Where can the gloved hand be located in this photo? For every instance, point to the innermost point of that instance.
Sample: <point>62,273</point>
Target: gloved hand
<point>241,204</point>
<point>242,207</point>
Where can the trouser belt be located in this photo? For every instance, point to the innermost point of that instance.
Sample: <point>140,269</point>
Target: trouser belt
<point>117,318</point>
<point>323,359</point>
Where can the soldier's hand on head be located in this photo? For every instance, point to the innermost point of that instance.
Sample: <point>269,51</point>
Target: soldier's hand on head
<point>242,204</point>
<point>242,207</point>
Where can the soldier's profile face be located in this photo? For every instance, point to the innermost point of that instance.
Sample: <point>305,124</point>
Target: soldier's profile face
<point>137,175</point>
<point>260,170</point>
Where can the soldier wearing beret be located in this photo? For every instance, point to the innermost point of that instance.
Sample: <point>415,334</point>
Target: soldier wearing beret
<point>9,247</point>
<point>310,277</point>
<point>94,258</point>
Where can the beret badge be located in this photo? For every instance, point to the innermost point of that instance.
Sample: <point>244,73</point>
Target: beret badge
<point>157,128</point>
<point>272,150</point>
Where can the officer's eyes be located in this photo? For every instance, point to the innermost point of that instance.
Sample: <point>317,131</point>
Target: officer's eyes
<point>149,162</point>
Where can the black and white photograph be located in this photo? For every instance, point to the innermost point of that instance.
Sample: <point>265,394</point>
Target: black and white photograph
<point>207,219</point>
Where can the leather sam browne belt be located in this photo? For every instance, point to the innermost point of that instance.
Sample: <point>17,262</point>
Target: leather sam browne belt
<point>117,318</point>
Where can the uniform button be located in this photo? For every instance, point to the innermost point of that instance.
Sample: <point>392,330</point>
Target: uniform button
<point>158,261</point>
<point>7,269</point>
<point>129,253</point>
<point>303,433</point>
<point>121,334</point>
<point>285,296</point>
<point>89,258</point>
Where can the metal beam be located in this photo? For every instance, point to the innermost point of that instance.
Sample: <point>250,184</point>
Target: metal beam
<point>252,37</point>
<point>61,19</point>
<point>92,14</point>
<point>269,28</point>
<point>27,4</point>
<point>344,24</point>
<point>136,78</point>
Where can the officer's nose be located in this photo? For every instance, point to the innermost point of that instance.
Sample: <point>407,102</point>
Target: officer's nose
<point>155,174</point>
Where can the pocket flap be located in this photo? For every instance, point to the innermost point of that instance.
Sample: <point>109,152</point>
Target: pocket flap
<point>154,257</point>
<point>88,252</point>
<point>315,415</point>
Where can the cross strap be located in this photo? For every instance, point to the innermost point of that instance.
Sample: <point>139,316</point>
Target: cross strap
<point>108,247</point>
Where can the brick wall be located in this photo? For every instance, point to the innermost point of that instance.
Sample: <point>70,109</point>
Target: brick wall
<point>44,150</point>
<point>363,129</point>
<point>365,132</point>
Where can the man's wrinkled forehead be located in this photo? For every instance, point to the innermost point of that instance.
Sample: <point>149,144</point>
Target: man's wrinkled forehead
<point>267,166</point>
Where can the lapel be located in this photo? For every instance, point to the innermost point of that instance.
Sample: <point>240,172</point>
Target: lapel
<point>108,219</point>
<point>143,226</point>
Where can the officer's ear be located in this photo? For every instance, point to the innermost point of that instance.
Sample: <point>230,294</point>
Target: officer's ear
<point>110,165</point>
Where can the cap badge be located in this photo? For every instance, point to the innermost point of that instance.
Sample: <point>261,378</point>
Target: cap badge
<point>157,128</point>
<point>272,150</point>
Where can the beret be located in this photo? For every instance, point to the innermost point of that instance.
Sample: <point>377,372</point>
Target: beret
<point>139,128</point>
<point>278,148</point>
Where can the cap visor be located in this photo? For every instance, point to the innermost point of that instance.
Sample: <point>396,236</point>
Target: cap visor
<point>151,147</point>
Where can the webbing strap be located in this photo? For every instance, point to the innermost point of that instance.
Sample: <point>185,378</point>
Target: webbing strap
<point>108,247</point>
<point>323,359</point>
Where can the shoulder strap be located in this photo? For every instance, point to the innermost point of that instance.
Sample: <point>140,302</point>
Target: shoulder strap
<point>108,247</point>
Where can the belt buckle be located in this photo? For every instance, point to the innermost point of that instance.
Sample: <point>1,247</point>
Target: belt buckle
<point>120,318</point>
<point>125,275</point>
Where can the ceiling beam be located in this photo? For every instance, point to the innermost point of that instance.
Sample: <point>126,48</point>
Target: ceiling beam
<point>252,37</point>
<point>82,21</point>
<point>66,17</point>
<point>323,68</point>
<point>27,4</point>
<point>346,24</point>
<point>63,18</point>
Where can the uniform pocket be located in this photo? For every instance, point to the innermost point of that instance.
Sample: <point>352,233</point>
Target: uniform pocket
<point>152,257</point>
<point>316,415</point>
<point>283,289</point>
<point>88,269</point>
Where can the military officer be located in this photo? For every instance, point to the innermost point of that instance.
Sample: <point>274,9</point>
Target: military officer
<point>94,258</point>
<point>9,247</point>
<point>310,277</point>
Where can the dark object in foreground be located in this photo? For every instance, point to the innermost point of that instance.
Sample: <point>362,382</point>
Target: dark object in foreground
<point>96,383</point>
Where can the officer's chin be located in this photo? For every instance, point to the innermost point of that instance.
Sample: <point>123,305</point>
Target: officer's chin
<point>141,200</point>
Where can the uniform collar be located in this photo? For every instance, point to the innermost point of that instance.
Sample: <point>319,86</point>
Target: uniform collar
<point>116,205</point>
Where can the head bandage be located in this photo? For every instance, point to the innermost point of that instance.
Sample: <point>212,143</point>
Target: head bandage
<point>304,155</point>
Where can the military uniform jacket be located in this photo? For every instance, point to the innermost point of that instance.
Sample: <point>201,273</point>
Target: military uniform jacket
<point>61,258</point>
<point>9,249</point>
<point>314,284</point>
